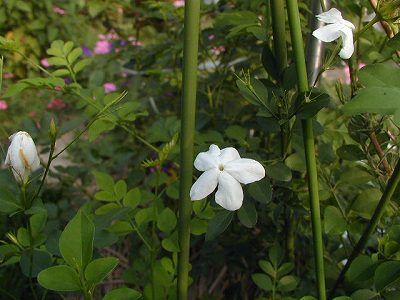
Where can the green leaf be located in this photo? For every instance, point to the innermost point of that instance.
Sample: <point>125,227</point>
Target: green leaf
<point>171,243</point>
<point>198,226</point>
<point>364,294</point>
<point>15,89</point>
<point>287,283</point>
<point>334,223</point>
<point>166,220</point>
<point>104,181</point>
<point>132,198</point>
<point>366,202</point>
<point>275,255</point>
<point>97,270</point>
<point>394,42</point>
<point>236,132</point>
<point>73,56</point>
<point>269,62</point>
<point>67,47</point>
<point>310,109</point>
<point>355,176</point>
<point>261,191</point>
<point>361,270</point>
<point>57,61</point>
<point>98,127</point>
<point>80,65</point>
<point>123,294</point>
<point>262,281</point>
<point>387,275</point>
<point>247,214</point>
<point>267,268</point>
<point>8,202</point>
<point>376,75</point>
<point>105,196</point>
<point>279,172</point>
<point>34,261</point>
<point>218,224</point>
<point>120,189</point>
<point>61,73</point>
<point>76,241</point>
<point>59,278</point>
<point>350,152</point>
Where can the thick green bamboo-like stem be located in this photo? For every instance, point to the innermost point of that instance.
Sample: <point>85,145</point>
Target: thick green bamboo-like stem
<point>308,137</point>
<point>188,110</point>
<point>279,33</point>
<point>379,211</point>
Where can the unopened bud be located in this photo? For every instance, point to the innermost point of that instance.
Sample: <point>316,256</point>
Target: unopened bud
<point>53,130</point>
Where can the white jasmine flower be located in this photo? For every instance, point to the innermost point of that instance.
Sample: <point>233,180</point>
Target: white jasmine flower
<point>22,156</point>
<point>337,27</point>
<point>225,169</point>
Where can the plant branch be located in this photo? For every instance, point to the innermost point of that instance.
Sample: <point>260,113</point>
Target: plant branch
<point>188,112</point>
<point>308,137</point>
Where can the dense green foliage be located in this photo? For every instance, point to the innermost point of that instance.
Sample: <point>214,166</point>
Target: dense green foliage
<point>105,222</point>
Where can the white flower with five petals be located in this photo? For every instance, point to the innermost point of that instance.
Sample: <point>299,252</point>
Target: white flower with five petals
<point>225,169</point>
<point>337,27</point>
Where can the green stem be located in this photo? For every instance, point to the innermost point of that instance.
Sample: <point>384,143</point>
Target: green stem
<point>308,137</point>
<point>379,211</point>
<point>188,112</point>
<point>279,34</point>
<point>50,159</point>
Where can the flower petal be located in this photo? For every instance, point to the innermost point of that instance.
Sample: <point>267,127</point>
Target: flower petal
<point>207,160</point>
<point>245,170</point>
<point>228,154</point>
<point>348,45</point>
<point>328,33</point>
<point>204,185</point>
<point>331,16</point>
<point>29,150</point>
<point>230,193</point>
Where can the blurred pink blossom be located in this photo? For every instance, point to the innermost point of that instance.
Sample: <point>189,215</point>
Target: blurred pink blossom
<point>3,105</point>
<point>102,47</point>
<point>59,10</point>
<point>8,75</point>
<point>44,62</point>
<point>56,104</point>
<point>179,3</point>
<point>32,114</point>
<point>109,87</point>
<point>211,37</point>
<point>217,50</point>
<point>58,88</point>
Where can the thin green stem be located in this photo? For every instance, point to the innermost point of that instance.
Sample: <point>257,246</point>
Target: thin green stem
<point>378,213</point>
<point>49,160</point>
<point>188,112</point>
<point>308,137</point>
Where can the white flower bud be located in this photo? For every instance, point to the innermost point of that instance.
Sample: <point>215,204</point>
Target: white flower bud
<point>22,156</point>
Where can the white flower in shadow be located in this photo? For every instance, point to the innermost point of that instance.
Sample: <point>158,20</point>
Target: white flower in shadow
<point>225,169</point>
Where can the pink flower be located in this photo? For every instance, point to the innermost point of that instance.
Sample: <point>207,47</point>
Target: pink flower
<point>58,10</point>
<point>179,3</point>
<point>211,37</point>
<point>8,75</point>
<point>58,88</point>
<point>102,47</point>
<point>3,105</point>
<point>44,62</point>
<point>32,114</point>
<point>217,50</point>
<point>109,87</point>
<point>56,104</point>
